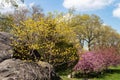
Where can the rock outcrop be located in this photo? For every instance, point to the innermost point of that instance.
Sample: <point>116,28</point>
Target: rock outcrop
<point>5,48</point>
<point>15,69</point>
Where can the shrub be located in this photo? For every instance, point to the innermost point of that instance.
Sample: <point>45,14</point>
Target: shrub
<point>97,61</point>
<point>52,40</point>
<point>110,55</point>
<point>90,62</point>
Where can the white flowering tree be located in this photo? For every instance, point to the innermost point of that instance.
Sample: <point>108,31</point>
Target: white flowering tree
<point>10,3</point>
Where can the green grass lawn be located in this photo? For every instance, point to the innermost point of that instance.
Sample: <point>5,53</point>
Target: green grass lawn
<point>112,74</point>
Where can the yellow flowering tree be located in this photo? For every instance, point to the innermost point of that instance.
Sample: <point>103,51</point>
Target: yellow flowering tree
<point>54,40</point>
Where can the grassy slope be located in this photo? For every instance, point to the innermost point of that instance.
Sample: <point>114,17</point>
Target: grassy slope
<point>112,74</point>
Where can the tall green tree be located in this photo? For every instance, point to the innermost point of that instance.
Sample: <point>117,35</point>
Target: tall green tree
<point>6,22</point>
<point>87,28</point>
<point>109,38</point>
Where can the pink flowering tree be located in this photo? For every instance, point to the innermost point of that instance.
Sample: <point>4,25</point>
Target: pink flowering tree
<point>90,62</point>
<point>110,55</point>
<point>97,61</point>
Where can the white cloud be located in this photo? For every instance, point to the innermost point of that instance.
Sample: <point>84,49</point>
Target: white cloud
<point>31,4</point>
<point>116,12</point>
<point>86,5</point>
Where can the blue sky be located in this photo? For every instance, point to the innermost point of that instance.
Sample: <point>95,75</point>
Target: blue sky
<point>107,10</point>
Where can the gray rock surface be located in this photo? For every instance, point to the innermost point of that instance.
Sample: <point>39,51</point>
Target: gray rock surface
<point>18,70</point>
<point>15,69</point>
<point>5,48</point>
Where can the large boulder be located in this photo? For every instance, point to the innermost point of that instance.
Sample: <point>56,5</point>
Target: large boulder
<point>5,48</point>
<point>15,69</point>
<point>11,69</point>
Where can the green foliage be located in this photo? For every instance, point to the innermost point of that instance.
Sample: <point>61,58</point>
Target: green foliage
<point>112,74</point>
<point>5,23</point>
<point>92,32</point>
